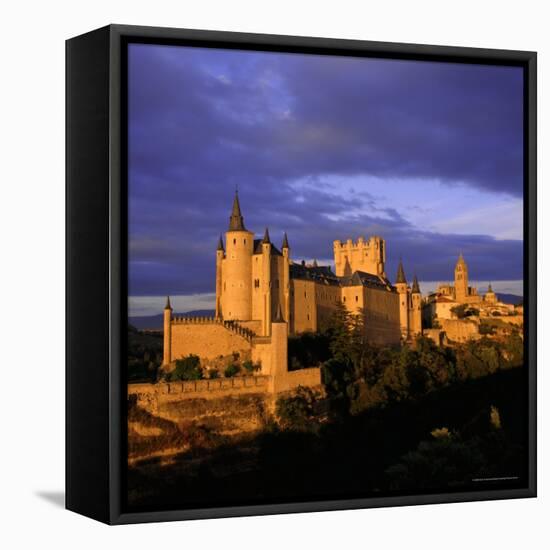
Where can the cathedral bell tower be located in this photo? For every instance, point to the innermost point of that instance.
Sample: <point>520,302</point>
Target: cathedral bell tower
<point>461,279</point>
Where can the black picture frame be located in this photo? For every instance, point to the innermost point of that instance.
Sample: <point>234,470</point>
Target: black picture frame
<point>96,241</point>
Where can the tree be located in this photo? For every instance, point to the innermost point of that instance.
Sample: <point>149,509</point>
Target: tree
<point>187,368</point>
<point>460,311</point>
<point>297,411</point>
<point>231,370</point>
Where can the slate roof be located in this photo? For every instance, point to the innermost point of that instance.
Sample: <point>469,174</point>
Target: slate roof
<point>258,248</point>
<point>400,274</point>
<point>360,278</point>
<point>324,274</point>
<point>236,222</point>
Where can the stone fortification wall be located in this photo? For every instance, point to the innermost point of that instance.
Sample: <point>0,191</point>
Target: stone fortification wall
<point>459,330</point>
<point>208,338</point>
<point>229,406</point>
<point>290,380</point>
<point>153,397</point>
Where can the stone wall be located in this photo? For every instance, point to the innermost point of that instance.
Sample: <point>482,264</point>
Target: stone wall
<point>208,340</point>
<point>382,320</point>
<point>303,306</point>
<point>459,330</point>
<point>232,405</point>
<point>292,379</point>
<point>236,404</point>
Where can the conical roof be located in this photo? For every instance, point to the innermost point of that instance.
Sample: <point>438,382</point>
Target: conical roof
<point>236,222</point>
<point>220,244</point>
<point>266,239</point>
<point>400,274</point>
<point>167,306</point>
<point>415,287</point>
<point>285,241</point>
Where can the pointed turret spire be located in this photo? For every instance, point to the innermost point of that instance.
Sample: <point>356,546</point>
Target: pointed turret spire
<point>315,264</point>
<point>490,289</point>
<point>167,306</point>
<point>266,239</point>
<point>285,241</point>
<point>236,222</point>
<point>415,287</point>
<point>461,259</point>
<point>220,244</point>
<point>400,273</point>
<point>279,315</point>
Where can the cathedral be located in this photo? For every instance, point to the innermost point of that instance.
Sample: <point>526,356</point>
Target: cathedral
<point>256,282</point>
<point>442,303</point>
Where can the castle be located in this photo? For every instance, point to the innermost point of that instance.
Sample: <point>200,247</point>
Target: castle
<point>263,296</point>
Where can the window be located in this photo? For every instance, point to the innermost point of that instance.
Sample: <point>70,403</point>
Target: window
<point>234,241</point>
<point>256,283</point>
<point>357,298</point>
<point>245,241</point>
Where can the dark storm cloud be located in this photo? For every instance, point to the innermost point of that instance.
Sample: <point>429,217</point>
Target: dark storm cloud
<point>204,121</point>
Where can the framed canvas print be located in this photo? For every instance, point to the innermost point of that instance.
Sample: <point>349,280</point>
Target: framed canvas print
<point>301,274</point>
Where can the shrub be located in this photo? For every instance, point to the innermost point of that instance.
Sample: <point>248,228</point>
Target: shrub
<point>187,368</point>
<point>214,373</point>
<point>297,411</point>
<point>250,367</point>
<point>231,370</point>
<point>485,328</point>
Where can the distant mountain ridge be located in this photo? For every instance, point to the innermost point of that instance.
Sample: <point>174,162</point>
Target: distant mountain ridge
<point>513,299</point>
<point>155,322</point>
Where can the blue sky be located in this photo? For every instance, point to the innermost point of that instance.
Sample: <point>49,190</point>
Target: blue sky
<point>428,155</point>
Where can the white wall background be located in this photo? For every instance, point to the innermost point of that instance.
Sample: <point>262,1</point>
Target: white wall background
<point>32,272</point>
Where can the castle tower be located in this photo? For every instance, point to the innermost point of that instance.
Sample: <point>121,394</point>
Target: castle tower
<point>167,333</point>
<point>286,279</point>
<point>220,253</point>
<point>461,279</point>
<point>279,351</point>
<point>403,291</point>
<point>415,321</point>
<point>266,284</point>
<point>236,272</point>
<point>368,256</point>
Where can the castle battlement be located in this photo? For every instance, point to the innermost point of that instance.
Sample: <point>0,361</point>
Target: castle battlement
<point>360,243</point>
<point>232,326</point>
<point>364,255</point>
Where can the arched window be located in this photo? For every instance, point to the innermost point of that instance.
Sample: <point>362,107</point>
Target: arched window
<point>234,241</point>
